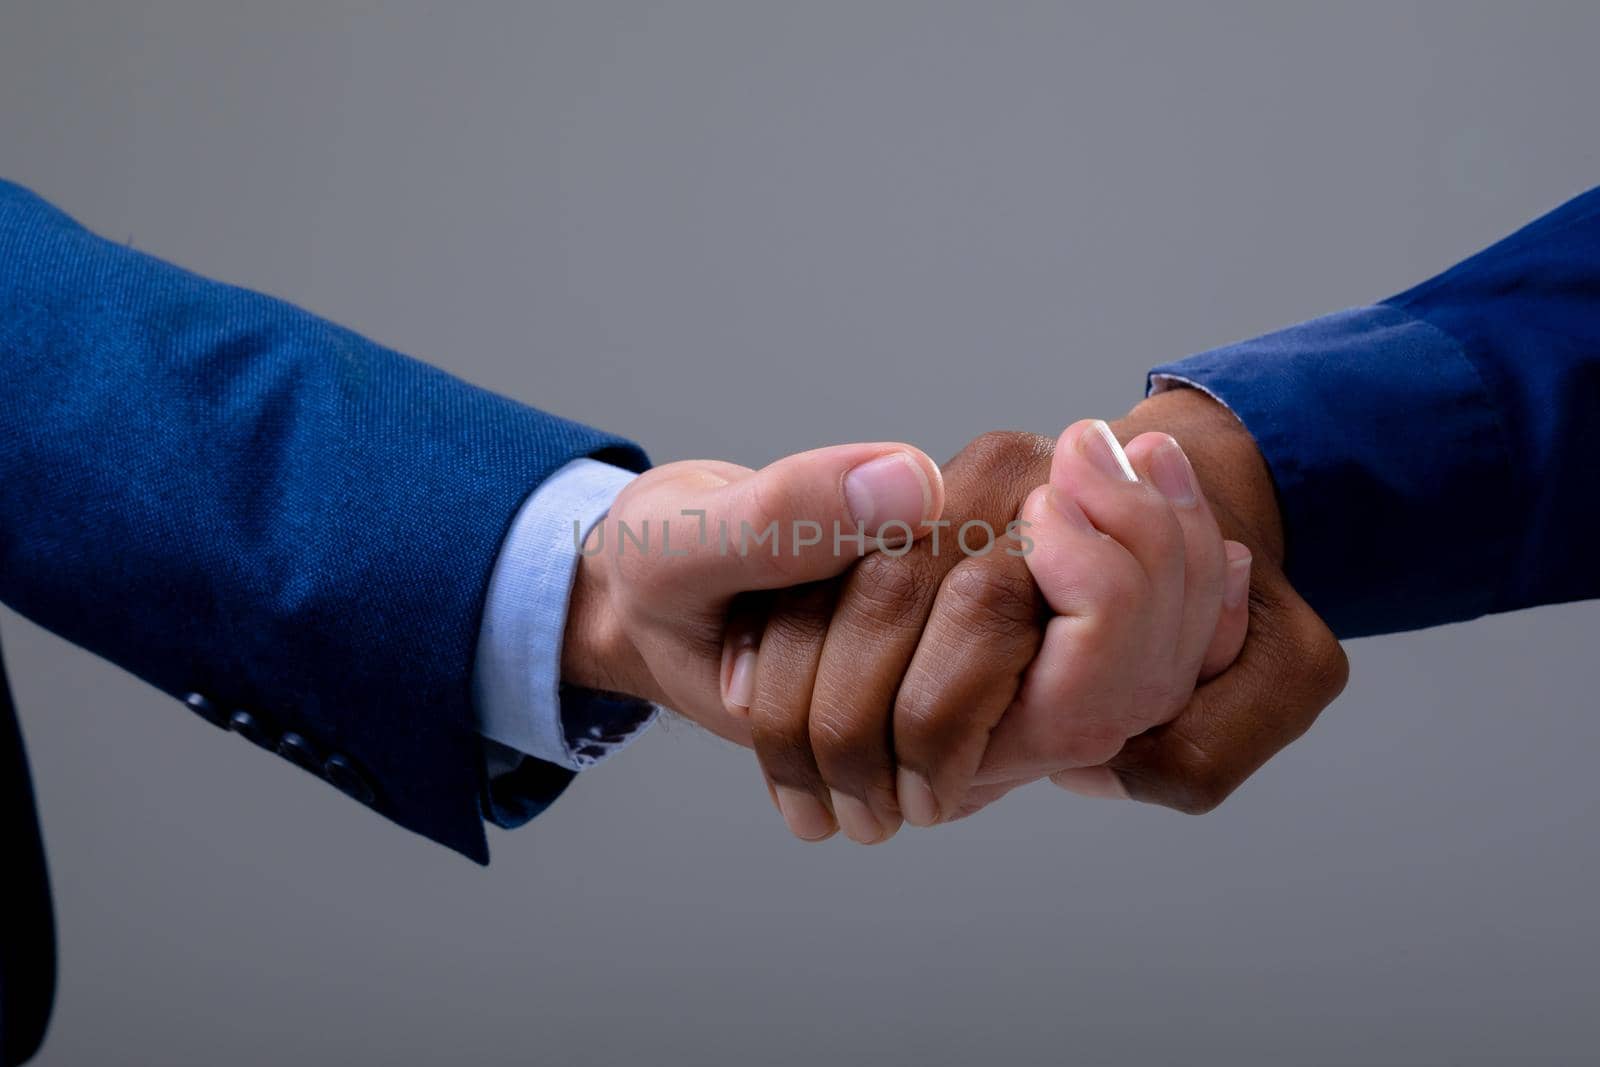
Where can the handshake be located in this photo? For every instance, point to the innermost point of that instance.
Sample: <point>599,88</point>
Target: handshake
<point>901,643</point>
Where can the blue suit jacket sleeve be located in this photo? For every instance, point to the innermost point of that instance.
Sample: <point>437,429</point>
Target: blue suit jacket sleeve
<point>228,496</point>
<point>1437,455</point>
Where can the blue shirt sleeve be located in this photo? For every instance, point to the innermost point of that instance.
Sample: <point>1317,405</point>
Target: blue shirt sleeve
<point>1436,455</point>
<point>517,689</point>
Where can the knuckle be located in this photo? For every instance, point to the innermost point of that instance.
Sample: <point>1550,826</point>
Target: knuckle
<point>778,727</point>
<point>992,599</point>
<point>1165,530</point>
<point>1122,590</point>
<point>795,625</point>
<point>1100,633</point>
<point>1330,673</point>
<point>767,532</point>
<point>1309,650</point>
<point>996,447</point>
<point>1204,782</point>
<point>1205,560</point>
<point>1176,772</point>
<point>990,446</point>
<point>887,591</point>
<point>765,503</point>
<point>783,745</point>
<point>843,740</point>
<point>1156,697</point>
<point>1088,745</point>
<point>918,716</point>
<point>1201,802</point>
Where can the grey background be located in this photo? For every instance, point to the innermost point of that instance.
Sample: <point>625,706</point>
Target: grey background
<point>741,229</point>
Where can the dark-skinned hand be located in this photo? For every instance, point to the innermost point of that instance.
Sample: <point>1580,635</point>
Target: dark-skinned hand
<point>916,687</point>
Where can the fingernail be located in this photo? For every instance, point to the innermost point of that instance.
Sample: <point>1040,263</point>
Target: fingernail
<point>1236,581</point>
<point>891,488</point>
<point>856,819</point>
<point>1100,782</point>
<point>1100,447</point>
<point>742,682</point>
<point>1170,470</point>
<point>808,819</point>
<point>917,802</point>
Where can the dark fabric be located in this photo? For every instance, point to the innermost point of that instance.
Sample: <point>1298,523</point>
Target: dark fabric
<point>27,928</point>
<point>1437,456</point>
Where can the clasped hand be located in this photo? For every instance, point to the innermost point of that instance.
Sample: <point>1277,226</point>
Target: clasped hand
<point>903,643</point>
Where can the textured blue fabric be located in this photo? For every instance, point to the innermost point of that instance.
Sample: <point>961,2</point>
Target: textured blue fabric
<point>225,494</point>
<point>516,682</point>
<point>1437,456</point>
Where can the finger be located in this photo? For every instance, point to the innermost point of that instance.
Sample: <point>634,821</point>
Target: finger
<point>980,797</point>
<point>882,607</point>
<point>871,626</point>
<point>1100,595</point>
<point>1234,620</point>
<point>1159,460</point>
<point>799,519</point>
<point>741,644</point>
<point>967,669</point>
<point>1291,667</point>
<point>1097,782</point>
<point>1229,637</point>
<point>1092,468</point>
<point>779,712</point>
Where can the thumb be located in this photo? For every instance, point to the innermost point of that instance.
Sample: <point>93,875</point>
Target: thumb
<point>1228,638</point>
<point>805,518</point>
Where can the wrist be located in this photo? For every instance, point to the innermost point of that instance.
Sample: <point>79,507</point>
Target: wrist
<point>596,651</point>
<point>1233,474</point>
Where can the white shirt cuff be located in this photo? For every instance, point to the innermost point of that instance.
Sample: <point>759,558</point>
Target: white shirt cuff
<point>517,674</point>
